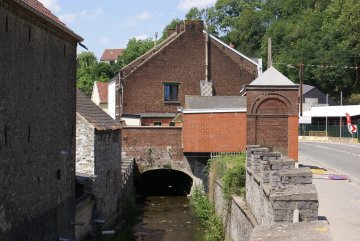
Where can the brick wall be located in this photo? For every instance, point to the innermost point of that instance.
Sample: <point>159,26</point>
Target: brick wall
<point>268,122</point>
<point>37,128</point>
<point>293,137</point>
<point>214,132</point>
<point>149,143</point>
<point>183,61</point>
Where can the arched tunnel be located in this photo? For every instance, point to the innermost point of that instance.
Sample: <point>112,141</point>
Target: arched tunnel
<point>163,182</point>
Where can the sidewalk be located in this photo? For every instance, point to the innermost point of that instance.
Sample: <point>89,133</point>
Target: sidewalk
<point>339,202</point>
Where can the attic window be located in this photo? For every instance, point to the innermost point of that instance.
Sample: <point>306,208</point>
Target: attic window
<point>171,91</point>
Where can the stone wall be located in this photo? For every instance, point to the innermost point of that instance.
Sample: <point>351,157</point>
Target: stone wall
<point>37,127</point>
<point>107,184</point>
<point>85,141</point>
<point>274,189</point>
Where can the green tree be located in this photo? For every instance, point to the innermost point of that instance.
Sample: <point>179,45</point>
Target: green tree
<point>134,49</point>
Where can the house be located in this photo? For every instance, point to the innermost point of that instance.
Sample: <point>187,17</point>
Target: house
<point>312,96</point>
<point>37,123</point>
<point>100,95</point>
<point>98,166</point>
<point>189,62</point>
<point>111,56</point>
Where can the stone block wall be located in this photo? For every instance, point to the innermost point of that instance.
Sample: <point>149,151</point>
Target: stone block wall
<point>85,141</point>
<point>275,188</point>
<point>37,127</point>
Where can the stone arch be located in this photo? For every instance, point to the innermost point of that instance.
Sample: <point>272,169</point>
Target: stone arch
<point>266,103</point>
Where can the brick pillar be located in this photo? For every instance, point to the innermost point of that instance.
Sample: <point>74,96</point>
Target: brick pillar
<point>293,137</point>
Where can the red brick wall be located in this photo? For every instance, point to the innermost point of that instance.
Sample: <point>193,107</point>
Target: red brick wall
<point>293,137</point>
<point>214,132</point>
<point>151,143</point>
<point>272,119</point>
<point>150,121</point>
<point>183,61</point>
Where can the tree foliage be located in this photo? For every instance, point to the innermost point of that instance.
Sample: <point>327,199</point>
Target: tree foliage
<point>324,34</point>
<point>134,49</point>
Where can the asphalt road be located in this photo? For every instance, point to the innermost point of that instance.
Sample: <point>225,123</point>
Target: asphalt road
<point>341,157</point>
<point>339,201</point>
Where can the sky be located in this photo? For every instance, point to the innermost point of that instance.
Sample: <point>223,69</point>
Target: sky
<point>110,23</point>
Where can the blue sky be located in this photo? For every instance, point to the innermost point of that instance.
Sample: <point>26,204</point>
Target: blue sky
<point>110,23</point>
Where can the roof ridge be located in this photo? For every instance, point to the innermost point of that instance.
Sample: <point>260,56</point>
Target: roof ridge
<point>149,54</point>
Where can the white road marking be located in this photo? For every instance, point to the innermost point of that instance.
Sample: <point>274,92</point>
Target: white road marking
<point>333,149</point>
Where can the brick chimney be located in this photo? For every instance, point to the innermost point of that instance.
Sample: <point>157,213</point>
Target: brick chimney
<point>194,25</point>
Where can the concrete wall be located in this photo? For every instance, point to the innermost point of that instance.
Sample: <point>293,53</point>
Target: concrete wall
<point>214,132</point>
<point>182,61</point>
<point>37,127</point>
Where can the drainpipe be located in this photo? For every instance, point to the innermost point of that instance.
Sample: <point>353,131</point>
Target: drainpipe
<point>206,53</point>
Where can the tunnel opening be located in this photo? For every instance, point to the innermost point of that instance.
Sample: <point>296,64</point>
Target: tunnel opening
<point>163,182</point>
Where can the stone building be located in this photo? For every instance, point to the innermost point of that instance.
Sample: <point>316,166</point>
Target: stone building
<point>98,157</point>
<point>188,62</point>
<point>37,123</point>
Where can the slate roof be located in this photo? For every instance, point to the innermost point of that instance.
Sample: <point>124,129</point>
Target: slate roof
<point>271,77</point>
<point>307,88</point>
<point>103,91</point>
<point>40,10</point>
<point>111,54</point>
<point>214,102</point>
<point>94,114</point>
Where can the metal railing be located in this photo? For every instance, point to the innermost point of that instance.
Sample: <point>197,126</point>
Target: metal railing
<point>329,131</point>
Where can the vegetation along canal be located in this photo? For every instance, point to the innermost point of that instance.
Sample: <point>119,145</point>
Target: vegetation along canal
<point>163,208</point>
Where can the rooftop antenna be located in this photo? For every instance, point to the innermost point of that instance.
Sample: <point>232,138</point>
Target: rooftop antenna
<point>156,35</point>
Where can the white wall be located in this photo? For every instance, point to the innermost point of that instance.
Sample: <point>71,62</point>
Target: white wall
<point>111,99</point>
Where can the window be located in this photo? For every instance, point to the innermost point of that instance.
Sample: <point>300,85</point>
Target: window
<point>157,123</point>
<point>171,92</point>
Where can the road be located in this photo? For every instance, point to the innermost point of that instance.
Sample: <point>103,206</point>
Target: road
<point>339,201</point>
<point>342,157</point>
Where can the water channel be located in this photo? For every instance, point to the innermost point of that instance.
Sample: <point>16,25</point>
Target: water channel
<point>163,208</point>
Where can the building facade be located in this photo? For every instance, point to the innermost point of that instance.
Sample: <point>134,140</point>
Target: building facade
<point>37,123</point>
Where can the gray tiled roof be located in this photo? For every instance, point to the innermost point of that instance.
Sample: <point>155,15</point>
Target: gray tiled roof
<point>94,114</point>
<point>306,88</point>
<point>272,77</point>
<point>214,102</point>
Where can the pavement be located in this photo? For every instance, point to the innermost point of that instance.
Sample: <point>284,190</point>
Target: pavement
<point>339,200</point>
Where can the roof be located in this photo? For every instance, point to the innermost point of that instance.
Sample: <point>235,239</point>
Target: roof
<point>200,104</point>
<point>333,111</point>
<point>272,77</point>
<point>40,10</point>
<point>94,114</point>
<point>111,54</point>
<point>307,88</point>
<point>103,91</point>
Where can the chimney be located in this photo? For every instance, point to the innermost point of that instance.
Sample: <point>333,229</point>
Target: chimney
<point>194,25</point>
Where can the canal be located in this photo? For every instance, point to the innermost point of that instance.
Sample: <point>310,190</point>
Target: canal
<point>163,208</point>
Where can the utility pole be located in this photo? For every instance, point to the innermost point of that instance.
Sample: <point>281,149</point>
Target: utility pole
<point>269,62</point>
<point>340,124</point>
<point>301,86</point>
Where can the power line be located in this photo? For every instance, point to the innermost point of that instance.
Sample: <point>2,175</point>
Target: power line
<point>325,66</point>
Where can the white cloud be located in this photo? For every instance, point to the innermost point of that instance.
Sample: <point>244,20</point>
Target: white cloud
<point>84,14</point>
<point>53,5</point>
<point>187,4</point>
<point>141,37</point>
<point>104,40</point>
<point>129,22</point>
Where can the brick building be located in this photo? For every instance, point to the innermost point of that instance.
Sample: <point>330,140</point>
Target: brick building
<point>214,124</point>
<point>98,159</point>
<point>111,56</point>
<point>37,123</point>
<point>154,85</point>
